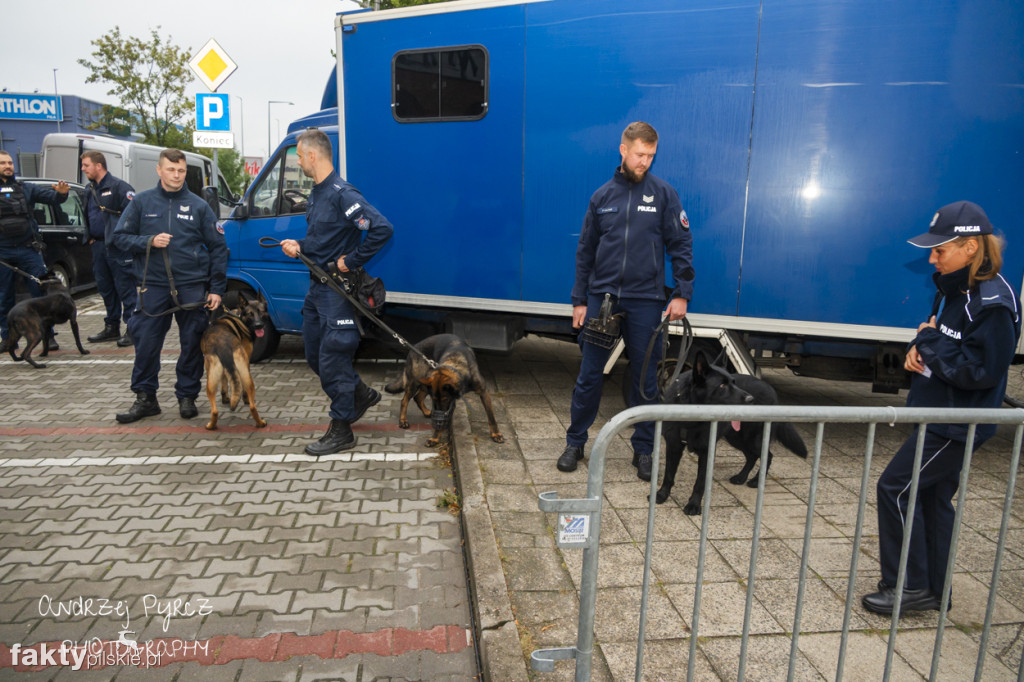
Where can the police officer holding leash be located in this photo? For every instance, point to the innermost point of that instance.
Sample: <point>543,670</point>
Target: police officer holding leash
<point>337,216</point>
<point>180,263</point>
<point>632,221</point>
<point>105,201</point>
<point>19,236</point>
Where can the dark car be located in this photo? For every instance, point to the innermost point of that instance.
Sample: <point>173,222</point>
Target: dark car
<point>65,234</point>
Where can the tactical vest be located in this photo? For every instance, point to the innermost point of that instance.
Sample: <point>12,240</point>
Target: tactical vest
<point>14,215</point>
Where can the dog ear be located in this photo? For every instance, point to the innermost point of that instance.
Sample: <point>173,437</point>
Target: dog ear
<point>700,367</point>
<point>242,300</point>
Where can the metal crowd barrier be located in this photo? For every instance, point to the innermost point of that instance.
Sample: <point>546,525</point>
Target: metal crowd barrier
<point>579,520</point>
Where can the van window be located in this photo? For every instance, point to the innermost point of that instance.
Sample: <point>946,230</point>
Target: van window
<point>448,84</point>
<point>194,180</point>
<point>283,189</point>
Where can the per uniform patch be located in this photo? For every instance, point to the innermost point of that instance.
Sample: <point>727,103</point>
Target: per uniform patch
<point>684,220</point>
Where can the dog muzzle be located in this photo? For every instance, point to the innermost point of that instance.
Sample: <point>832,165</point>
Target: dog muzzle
<point>442,419</point>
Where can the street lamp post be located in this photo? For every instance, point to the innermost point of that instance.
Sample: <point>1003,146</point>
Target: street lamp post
<point>57,95</point>
<point>270,149</point>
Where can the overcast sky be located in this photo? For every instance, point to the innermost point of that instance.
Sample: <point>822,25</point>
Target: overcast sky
<point>283,50</point>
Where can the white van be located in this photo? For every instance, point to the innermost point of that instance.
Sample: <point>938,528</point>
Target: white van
<point>133,162</point>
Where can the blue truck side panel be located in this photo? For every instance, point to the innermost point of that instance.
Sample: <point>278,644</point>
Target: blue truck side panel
<point>808,141</point>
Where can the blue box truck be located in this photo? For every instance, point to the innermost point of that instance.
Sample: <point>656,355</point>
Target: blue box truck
<point>808,139</point>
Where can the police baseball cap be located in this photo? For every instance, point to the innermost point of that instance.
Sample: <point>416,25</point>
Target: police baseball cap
<point>959,219</point>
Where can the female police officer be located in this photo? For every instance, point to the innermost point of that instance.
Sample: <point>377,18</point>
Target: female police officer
<point>958,360</point>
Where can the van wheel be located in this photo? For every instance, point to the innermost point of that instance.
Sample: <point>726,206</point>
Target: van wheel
<point>265,346</point>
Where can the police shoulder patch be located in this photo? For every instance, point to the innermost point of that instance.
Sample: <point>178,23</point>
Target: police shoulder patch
<point>130,195</point>
<point>684,220</point>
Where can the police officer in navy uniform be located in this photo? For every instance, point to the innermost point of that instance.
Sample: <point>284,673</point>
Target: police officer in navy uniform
<point>106,199</point>
<point>18,233</point>
<point>338,217</point>
<point>958,359</point>
<point>169,225</point>
<point>632,221</point>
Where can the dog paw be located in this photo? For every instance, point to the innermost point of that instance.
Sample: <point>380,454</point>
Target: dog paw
<point>740,480</point>
<point>433,442</point>
<point>84,351</point>
<point>497,438</point>
<point>403,424</point>
<point>752,483</point>
<point>661,496</point>
<point>212,426</point>
<point>692,509</point>
<point>260,423</point>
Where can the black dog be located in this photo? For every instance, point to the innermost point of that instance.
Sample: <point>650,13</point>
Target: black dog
<point>33,319</point>
<point>457,372</point>
<point>708,384</point>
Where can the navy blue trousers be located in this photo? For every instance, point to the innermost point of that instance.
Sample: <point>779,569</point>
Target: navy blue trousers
<point>934,512</point>
<point>330,338</point>
<point>149,333</point>
<point>23,258</point>
<point>642,319</point>
<point>115,282</point>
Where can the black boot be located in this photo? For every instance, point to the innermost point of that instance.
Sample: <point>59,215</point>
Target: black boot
<point>569,457</point>
<point>187,407</point>
<point>366,398</point>
<point>110,333</point>
<point>125,340</point>
<point>145,406</point>
<point>338,437</point>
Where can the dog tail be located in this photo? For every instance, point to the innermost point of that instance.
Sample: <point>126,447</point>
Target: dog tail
<point>396,386</point>
<point>787,434</point>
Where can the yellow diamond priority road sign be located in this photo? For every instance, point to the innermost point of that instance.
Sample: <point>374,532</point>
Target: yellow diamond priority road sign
<point>212,64</point>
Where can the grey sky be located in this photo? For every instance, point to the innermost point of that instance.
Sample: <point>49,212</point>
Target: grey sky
<point>283,50</point>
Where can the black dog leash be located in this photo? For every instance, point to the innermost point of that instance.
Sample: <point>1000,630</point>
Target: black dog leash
<point>170,281</point>
<point>322,277</point>
<point>684,350</point>
<point>21,272</point>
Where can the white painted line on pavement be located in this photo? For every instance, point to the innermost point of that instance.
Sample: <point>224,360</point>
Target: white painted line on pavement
<point>142,460</point>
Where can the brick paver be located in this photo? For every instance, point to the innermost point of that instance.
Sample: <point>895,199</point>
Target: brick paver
<point>226,554</point>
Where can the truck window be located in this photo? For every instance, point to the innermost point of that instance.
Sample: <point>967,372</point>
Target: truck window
<point>448,84</point>
<point>284,188</point>
<point>194,180</point>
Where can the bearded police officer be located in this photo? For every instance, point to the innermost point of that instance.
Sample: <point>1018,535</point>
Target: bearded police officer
<point>106,200</point>
<point>632,221</point>
<point>19,233</point>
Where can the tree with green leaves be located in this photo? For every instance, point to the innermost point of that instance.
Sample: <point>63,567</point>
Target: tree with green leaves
<point>148,78</point>
<point>232,166</point>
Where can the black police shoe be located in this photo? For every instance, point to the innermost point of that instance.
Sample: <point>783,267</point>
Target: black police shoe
<point>187,407</point>
<point>643,466</point>
<point>569,457</point>
<point>125,341</point>
<point>366,398</point>
<point>338,437</point>
<point>109,333</point>
<point>145,405</point>
<point>884,600</point>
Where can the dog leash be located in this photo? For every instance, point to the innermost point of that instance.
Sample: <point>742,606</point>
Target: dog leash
<point>321,276</point>
<point>170,281</point>
<point>684,350</point>
<point>21,272</point>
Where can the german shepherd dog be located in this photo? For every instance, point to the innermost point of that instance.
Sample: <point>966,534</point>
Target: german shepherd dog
<point>227,347</point>
<point>34,317</point>
<point>708,384</point>
<point>457,372</point>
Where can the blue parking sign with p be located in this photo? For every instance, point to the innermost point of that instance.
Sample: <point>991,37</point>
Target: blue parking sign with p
<point>212,112</point>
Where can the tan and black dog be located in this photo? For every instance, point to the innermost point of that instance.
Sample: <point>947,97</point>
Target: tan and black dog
<point>34,317</point>
<point>457,372</point>
<point>227,347</point>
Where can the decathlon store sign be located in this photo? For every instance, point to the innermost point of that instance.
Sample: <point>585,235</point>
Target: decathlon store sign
<point>30,107</point>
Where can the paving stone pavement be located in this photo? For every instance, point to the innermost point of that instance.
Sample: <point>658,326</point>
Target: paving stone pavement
<point>532,387</point>
<point>162,551</point>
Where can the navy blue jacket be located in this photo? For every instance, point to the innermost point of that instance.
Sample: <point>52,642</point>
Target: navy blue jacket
<point>337,215</point>
<point>33,193</point>
<point>626,232</point>
<point>105,201</point>
<point>198,252</point>
<point>969,351</point>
